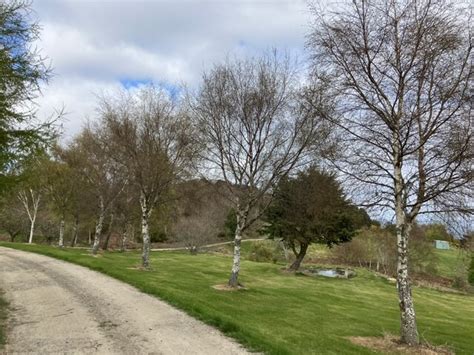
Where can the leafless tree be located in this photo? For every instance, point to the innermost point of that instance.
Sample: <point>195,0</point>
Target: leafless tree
<point>255,132</point>
<point>102,176</point>
<point>60,189</point>
<point>151,138</point>
<point>401,74</point>
<point>30,198</point>
<point>31,190</point>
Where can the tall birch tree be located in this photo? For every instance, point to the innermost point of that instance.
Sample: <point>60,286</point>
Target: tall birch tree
<point>254,131</point>
<point>31,189</point>
<point>152,139</point>
<point>30,198</point>
<point>86,155</point>
<point>60,188</point>
<point>401,74</point>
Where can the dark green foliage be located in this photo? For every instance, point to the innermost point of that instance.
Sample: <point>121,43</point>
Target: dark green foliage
<point>158,237</point>
<point>22,70</point>
<point>312,208</point>
<point>230,224</point>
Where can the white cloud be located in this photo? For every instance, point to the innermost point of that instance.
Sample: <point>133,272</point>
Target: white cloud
<point>95,44</point>
<point>78,97</point>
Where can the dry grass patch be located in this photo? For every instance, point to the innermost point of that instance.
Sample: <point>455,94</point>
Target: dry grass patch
<point>140,268</point>
<point>225,287</point>
<point>390,344</point>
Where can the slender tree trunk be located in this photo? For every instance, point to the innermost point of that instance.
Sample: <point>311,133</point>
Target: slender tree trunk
<point>35,202</point>
<point>32,230</point>
<point>408,329</point>
<point>145,231</point>
<point>409,332</point>
<point>299,257</point>
<point>75,231</point>
<point>61,233</point>
<point>98,227</point>
<point>109,232</point>
<point>13,236</point>
<point>33,211</point>
<point>234,276</point>
<point>123,244</point>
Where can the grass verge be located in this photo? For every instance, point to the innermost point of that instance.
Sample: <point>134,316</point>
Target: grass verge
<point>281,313</point>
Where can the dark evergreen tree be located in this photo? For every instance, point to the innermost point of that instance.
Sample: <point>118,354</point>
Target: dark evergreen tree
<point>312,208</point>
<point>22,71</point>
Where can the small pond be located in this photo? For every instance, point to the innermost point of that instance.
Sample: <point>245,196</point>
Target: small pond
<point>337,272</point>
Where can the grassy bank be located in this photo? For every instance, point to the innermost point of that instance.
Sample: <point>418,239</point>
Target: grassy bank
<point>281,313</point>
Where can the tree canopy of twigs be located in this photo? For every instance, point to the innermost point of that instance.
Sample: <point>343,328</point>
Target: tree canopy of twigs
<point>401,75</point>
<point>152,139</point>
<point>254,131</point>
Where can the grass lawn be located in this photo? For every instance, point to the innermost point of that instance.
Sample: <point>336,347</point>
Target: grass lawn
<point>281,313</point>
<point>448,262</point>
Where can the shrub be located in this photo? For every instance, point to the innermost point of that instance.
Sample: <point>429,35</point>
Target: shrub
<point>158,237</point>
<point>263,252</point>
<point>230,225</point>
<point>372,247</point>
<point>375,248</point>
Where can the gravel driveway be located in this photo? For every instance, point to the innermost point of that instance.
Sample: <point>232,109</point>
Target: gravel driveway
<point>57,307</point>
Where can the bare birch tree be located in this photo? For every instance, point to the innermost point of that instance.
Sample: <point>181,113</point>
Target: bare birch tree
<point>401,74</point>
<point>151,138</point>
<point>60,188</point>
<point>255,132</point>
<point>31,189</point>
<point>30,198</point>
<point>102,176</point>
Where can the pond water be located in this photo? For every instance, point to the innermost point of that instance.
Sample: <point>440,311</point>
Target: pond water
<point>338,272</point>
<point>329,273</point>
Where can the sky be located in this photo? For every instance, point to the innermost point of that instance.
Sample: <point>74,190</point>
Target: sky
<point>98,46</point>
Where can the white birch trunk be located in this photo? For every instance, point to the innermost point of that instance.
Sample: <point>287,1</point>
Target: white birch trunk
<point>408,330</point>
<point>234,276</point>
<point>32,230</point>
<point>32,211</point>
<point>146,211</point>
<point>98,227</point>
<point>61,233</point>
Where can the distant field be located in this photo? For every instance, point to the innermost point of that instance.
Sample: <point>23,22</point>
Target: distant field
<point>448,262</point>
<point>281,313</point>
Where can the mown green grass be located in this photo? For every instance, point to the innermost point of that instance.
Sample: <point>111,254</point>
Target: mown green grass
<point>448,262</point>
<point>282,313</point>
